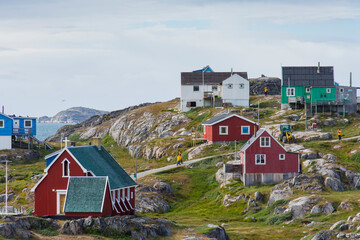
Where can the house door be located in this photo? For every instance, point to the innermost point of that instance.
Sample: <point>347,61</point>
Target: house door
<point>60,204</point>
<point>16,126</point>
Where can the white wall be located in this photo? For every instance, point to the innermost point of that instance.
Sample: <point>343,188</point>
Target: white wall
<point>5,142</point>
<point>237,96</point>
<point>189,95</point>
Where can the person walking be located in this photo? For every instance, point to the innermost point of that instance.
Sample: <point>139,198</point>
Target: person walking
<point>339,133</point>
<point>181,162</point>
<point>265,91</point>
<point>178,160</point>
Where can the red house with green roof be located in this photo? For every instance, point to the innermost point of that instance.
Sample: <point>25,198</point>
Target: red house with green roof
<point>84,181</point>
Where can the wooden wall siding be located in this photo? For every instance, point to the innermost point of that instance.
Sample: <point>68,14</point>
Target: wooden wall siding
<point>234,130</point>
<point>273,164</point>
<point>45,193</point>
<point>266,178</point>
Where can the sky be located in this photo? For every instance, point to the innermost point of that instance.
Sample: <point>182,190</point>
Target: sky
<point>111,54</point>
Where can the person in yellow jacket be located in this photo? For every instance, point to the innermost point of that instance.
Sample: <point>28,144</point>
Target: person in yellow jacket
<point>179,159</point>
<point>266,91</point>
<point>339,133</point>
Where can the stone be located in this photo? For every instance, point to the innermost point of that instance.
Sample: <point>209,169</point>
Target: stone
<point>217,232</point>
<point>308,182</point>
<point>346,206</point>
<point>294,117</point>
<point>11,196</point>
<point>252,203</point>
<point>302,206</point>
<point>329,156</point>
<point>316,209</point>
<point>197,151</point>
<point>334,184</point>
<point>328,208</point>
<point>228,200</point>
<point>258,196</point>
<point>219,164</point>
<point>71,228</point>
<point>336,225</point>
<point>278,195</point>
<point>250,219</point>
<point>324,235</point>
<point>278,210</point>
<point>148,199</point>
<point>163,187</point>
<point>330,122</point>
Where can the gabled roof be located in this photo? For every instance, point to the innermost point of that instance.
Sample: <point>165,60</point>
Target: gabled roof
<point>85,194</point>
<point>196,78</point>
<point>101,163</point>
<point>223,117</point>
<point>6,116</point>
<point>255,137</point>
<point>311,76</point>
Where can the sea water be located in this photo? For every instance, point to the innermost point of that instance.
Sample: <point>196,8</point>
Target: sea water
<point>44,130</point>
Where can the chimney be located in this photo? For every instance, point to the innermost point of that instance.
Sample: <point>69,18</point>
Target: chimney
<point>318,69</point>
<point>97,142</point>
<point>3,109</point>
<point>350,79</point>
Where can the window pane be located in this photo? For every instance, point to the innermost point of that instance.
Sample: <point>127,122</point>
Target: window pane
<point>1,124</point>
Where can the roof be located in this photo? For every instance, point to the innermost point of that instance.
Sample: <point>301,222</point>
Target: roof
<point>6,116</point>
<point>85,194</point>
<point>205,69</point>
<point>253,139</point>
<point>101,163</point>
<point>191,78</point>
<point>223,117</point>
<point>308,76</point>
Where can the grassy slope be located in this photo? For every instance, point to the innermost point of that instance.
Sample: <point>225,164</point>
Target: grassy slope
<point>197,199</point>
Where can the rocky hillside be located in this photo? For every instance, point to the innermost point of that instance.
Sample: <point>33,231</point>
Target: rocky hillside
<point>257,85</point>
<point>72,115</point>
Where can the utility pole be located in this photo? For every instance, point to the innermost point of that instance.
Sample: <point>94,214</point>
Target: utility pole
<point>259,114</point>
<point>135,168</point>
<point>235,151</point>
<point>6,188</point>
<point>305,117</point>
<point>203,82</point>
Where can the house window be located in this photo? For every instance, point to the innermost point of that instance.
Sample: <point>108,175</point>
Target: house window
<point>281,156</point>
<point>328,90</point>
<point>245,130</point>
<point>2,124</point>
<point>196,88</point>
<point>290,92</point>
<point>214,88</point>
<point>128,193</point>
<point>132,195</point>
<point>230,85</point>
<point>223,130</point>
<point>28,123</point>
<point>341,90</point>
<point>241,86</point>
<point>260,159</point>
<point>307,90</point>
<point>204,129</point>
<point>65,168</point>
<point>265,142</point>
<point>191,104</point>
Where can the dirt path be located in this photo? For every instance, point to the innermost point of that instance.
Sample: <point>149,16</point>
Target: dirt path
<point>168,167</point>
<point>343,139</point>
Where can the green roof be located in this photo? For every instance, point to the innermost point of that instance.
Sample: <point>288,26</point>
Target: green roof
<point>101,163</point>
<point>85,194</point>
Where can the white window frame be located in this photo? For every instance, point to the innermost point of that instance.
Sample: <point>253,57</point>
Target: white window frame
<point>242,132</point>
<point>27,121</point>
<point>225,127</point>
<point>260,163</point>
<point>307,90</point>
<point>68,168</point>
<point>3,123</point>
<point>58,193</point>
<point>282,156</point>
<point>290,92</point>
<point>214,88</point>
<point>230,85</point>
<point>241,86</point>
<point>328,90</point>
<point>204,129</point>
<point>265,140</point>
<point>198,88</point>
<point>128,193</point>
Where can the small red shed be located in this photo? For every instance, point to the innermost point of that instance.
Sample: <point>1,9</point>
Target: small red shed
<point>265,161</point>
<point>84,181</point>
<point>229,127</point>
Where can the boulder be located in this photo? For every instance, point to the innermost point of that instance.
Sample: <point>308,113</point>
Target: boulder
<point>336,225</point>
<point>228,200</point>
<point>316,209</point>
<point>308,182</point>
<point>328,208</point>
<point>334,184</point>
<point>150,202</point>
<point>278,195</point>
<point>163,187</point>
<point>252,203</point>
<point>302,206</point>
<point>197,151</point>
<point>71,228</point>
<point>216,232</point>
<point>330,122</point>
<point>294,117</point>
<point>346,206</point>
<point>258,196</point>
<point>324,235</point>
<point>311,135</point>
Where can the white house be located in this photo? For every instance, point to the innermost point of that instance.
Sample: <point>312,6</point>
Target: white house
<point>206,88</point>
<point>235,90</point>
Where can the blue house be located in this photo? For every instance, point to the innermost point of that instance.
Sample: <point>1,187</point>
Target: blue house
<point>16,128</point>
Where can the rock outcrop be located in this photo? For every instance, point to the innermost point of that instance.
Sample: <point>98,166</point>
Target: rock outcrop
<point>151,199</point>
<point>72,115</point>
<point>257,85</point>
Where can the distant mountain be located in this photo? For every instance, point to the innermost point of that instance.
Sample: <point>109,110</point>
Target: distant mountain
<point>72,115</point>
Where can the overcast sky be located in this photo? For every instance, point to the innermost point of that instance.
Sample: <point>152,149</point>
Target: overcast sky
<point>111,54</point>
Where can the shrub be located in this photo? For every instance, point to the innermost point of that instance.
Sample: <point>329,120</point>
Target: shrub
<point>280,218</point>
<point>355,157</point>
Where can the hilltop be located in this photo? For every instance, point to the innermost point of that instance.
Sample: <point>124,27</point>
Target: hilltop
<point>324,194</point>
<point>72,115</point>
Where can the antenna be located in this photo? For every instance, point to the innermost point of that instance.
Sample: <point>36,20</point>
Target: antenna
<point>231,72</point>
<point>318,69</point>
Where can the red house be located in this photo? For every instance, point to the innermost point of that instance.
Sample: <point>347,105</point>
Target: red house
<point>84,181</point>
<point>265,161</point>
<point>229,127</point>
